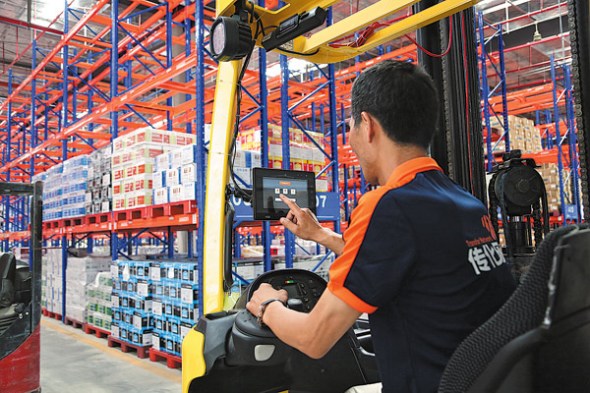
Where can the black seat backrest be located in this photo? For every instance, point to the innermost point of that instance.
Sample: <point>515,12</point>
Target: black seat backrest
<point>514,324</point>
<point>7,279</point>
<point>563,357</point>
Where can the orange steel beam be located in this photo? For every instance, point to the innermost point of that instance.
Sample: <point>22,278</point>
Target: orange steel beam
<point>83,21</point>
<point>60,59</point>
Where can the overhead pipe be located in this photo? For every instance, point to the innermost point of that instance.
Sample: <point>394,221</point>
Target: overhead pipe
<point>29,25</point>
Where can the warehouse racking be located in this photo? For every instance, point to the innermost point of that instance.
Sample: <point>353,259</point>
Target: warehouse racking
<point>160,54</point>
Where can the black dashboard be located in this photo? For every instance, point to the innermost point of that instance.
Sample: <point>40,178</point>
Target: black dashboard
<point>299,284</point>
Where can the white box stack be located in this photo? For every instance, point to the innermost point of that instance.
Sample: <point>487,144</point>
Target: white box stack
<point>80,273</point>
<point>135,158</point>
<point>175,175</point>
<point>52,286</point>
<point>99,192</point>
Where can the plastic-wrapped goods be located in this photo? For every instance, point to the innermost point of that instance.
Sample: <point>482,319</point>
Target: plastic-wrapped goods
<point>99,309</point>
<point>51,280</point>
<point>81,273</point>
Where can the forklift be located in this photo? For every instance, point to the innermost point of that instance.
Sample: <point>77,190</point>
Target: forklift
<point>20,303</point>
<point>229,351</point>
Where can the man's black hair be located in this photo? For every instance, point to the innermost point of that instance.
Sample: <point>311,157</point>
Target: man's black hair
<point>402,97</point>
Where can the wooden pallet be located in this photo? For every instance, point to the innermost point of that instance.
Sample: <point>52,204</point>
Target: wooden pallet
<point>142,351</point>
<point>98,332</point>
<point>172,361</point>
<point>75,323</point>
<point>51,314</point>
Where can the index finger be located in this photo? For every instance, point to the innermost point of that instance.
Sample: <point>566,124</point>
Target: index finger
<point>292,205</point>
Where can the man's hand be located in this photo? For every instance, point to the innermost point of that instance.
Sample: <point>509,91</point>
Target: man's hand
<point>304,224</point>
<point>262,294</point>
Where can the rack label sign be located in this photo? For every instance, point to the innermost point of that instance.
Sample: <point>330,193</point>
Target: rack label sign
<point>327,204</point>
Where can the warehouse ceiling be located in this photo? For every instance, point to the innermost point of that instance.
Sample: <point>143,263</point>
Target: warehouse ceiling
<point>536,30</point>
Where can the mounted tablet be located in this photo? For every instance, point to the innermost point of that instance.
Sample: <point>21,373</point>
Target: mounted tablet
<point>269,184</point>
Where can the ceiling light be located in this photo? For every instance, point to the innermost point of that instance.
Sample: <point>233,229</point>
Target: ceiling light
<point>537,36</point>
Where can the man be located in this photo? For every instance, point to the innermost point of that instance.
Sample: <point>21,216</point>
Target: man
<point>419,255</point>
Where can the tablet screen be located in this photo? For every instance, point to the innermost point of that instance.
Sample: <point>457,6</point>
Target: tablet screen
<point>270,184</point>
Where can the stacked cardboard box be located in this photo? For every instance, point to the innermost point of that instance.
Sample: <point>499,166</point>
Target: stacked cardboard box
<point>175,175</point>
<point>304,153</point>
<point>133,162</point>
<point>99,306</point>
<point>79,274</point>
<point>524,136</point>
<point>52,192</point>
<point>99,192</point>
<point>64,189</point>
<point>244,161</point>
<point>550,174</point>
<point>51,280</point>
<point>175,304</point>
<point>132,302</point>
<point>74,182</point>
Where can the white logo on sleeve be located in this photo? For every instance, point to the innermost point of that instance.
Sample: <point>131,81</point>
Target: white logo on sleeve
<point>485,257</point>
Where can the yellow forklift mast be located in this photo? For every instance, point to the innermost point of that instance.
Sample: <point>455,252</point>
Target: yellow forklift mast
<point>315,47</point>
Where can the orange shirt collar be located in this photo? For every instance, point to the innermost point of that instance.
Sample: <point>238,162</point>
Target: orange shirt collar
<point>408,170</point>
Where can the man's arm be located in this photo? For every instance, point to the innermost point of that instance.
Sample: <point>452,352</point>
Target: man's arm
<point>304,224</point>
<point>330,316</point>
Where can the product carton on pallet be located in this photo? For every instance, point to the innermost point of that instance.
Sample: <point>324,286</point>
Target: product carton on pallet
<point>80,273</point>
<point>99,302</point>
<point>550,174</point>
<point>175,303</point>
<point>64,189</point>
<point>99,192</point>
<point>524,136</point>
<point>135,157</point>
<point>131,301</point>
<point>52,286</point>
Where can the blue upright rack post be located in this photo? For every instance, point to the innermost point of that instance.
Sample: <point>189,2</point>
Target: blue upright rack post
<point>558,139</point>
<point>266,235</point>
<point>289,237</point>
<point>486,93</point>
<point>573,142</point>
<point>200,133</point>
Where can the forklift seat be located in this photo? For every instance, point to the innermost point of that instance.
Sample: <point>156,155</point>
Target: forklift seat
<point>7,279</point>
<point>539,341</point>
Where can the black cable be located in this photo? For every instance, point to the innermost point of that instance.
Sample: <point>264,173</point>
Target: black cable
<point>297,53</point>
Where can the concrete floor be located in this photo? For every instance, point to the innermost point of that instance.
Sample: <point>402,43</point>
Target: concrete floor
<point>72,361</point>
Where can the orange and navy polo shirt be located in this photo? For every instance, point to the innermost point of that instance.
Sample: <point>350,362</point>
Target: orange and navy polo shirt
<point>422,258</point>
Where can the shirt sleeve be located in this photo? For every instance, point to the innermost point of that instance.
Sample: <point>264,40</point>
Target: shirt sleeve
<point>378,254</point>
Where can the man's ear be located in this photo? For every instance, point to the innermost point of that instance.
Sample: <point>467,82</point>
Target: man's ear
<point>370,124</point>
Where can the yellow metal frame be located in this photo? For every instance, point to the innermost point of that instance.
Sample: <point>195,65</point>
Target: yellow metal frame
<point>317,49</point>
<point>314,48</point>
<point>224,111</point>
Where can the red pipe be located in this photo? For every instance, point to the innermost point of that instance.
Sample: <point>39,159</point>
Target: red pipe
<point>16,22</point>
<point>533,43</point>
